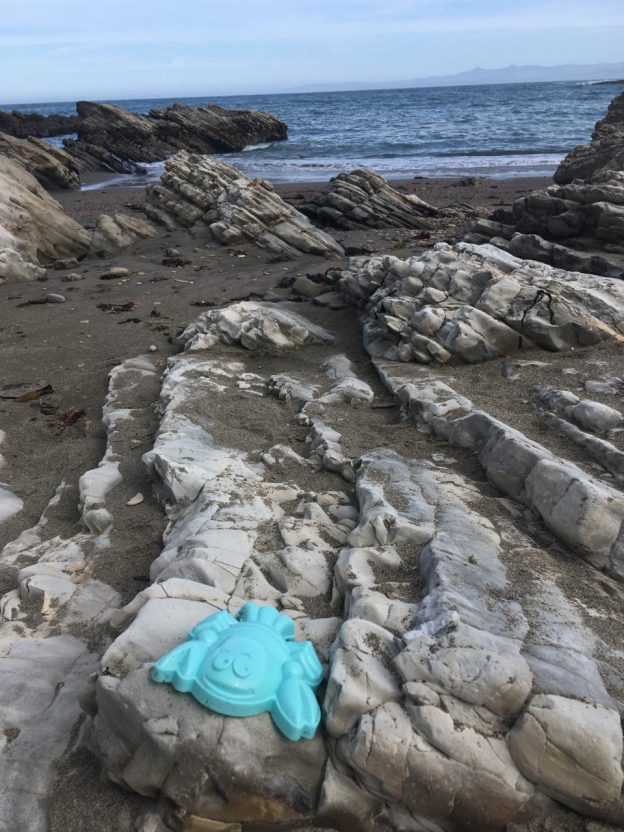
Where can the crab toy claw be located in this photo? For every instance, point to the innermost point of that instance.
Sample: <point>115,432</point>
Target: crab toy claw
<point>295,710</point>
<point>180,666</point>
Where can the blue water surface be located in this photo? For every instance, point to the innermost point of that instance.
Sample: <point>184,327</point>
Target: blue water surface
<point>494,130</point>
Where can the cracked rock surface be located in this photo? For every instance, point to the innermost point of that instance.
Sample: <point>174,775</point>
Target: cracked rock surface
<point>456,697</point>
<point>475,303</point>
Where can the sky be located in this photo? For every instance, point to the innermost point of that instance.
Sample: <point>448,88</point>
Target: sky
<point>60,50</point>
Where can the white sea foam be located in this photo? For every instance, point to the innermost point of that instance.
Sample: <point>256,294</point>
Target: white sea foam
<point>262,146</point>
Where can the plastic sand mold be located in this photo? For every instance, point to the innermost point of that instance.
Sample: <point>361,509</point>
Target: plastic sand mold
<point>246,665</point>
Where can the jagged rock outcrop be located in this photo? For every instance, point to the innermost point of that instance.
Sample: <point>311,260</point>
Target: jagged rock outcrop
<point>474,303</point>
<point>114,233</point>
<point>578,227</point>
<point>578,223</point>
<point>605,151</point>
<point>34,229</point>
<point>211,198</point>
<point>54,168</point>
<point>363,199</point>
<point>24,125</point>
<point>115,139</point>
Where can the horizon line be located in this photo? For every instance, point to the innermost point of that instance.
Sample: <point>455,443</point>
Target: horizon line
<point>298,91</point>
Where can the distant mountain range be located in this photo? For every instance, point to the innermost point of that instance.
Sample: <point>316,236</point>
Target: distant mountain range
<point>478,75</point>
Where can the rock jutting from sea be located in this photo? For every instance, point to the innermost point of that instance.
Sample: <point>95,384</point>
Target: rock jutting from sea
<point>114,139</point>
<point>24,125</point>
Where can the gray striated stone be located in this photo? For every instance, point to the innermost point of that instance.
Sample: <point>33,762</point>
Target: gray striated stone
<point>153,740</point>
<point>476,303</point>
<point>363,199</point>
<point>211,198</point>
<point>361,675</point>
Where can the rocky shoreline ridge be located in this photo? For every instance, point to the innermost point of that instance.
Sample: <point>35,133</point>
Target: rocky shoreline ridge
<point>418,459</point>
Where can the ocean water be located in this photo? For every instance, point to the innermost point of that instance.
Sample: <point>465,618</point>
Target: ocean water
<point>495,130</point>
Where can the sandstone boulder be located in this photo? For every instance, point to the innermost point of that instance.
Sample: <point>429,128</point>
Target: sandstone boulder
<point>34,229</point>
<point>52,167</point>
<point>256,326</point>
<point>113,233</point>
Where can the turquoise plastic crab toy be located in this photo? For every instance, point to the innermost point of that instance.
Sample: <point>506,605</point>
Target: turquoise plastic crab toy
<point>247,665</point>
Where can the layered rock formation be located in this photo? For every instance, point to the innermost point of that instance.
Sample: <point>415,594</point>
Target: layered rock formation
<point>444,521</point>
<point>475,303</point>
<point>466,686</point>
<point>363,199</point>
<point>53,168</point>
<point>115,139</point>
<point>34,229</point>
<point>211,198</point>
<point>605,151</point>
<point>26,125</point>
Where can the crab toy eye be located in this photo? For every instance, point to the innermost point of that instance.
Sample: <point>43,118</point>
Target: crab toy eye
<point>242,665</point>
<point>222,660</point>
